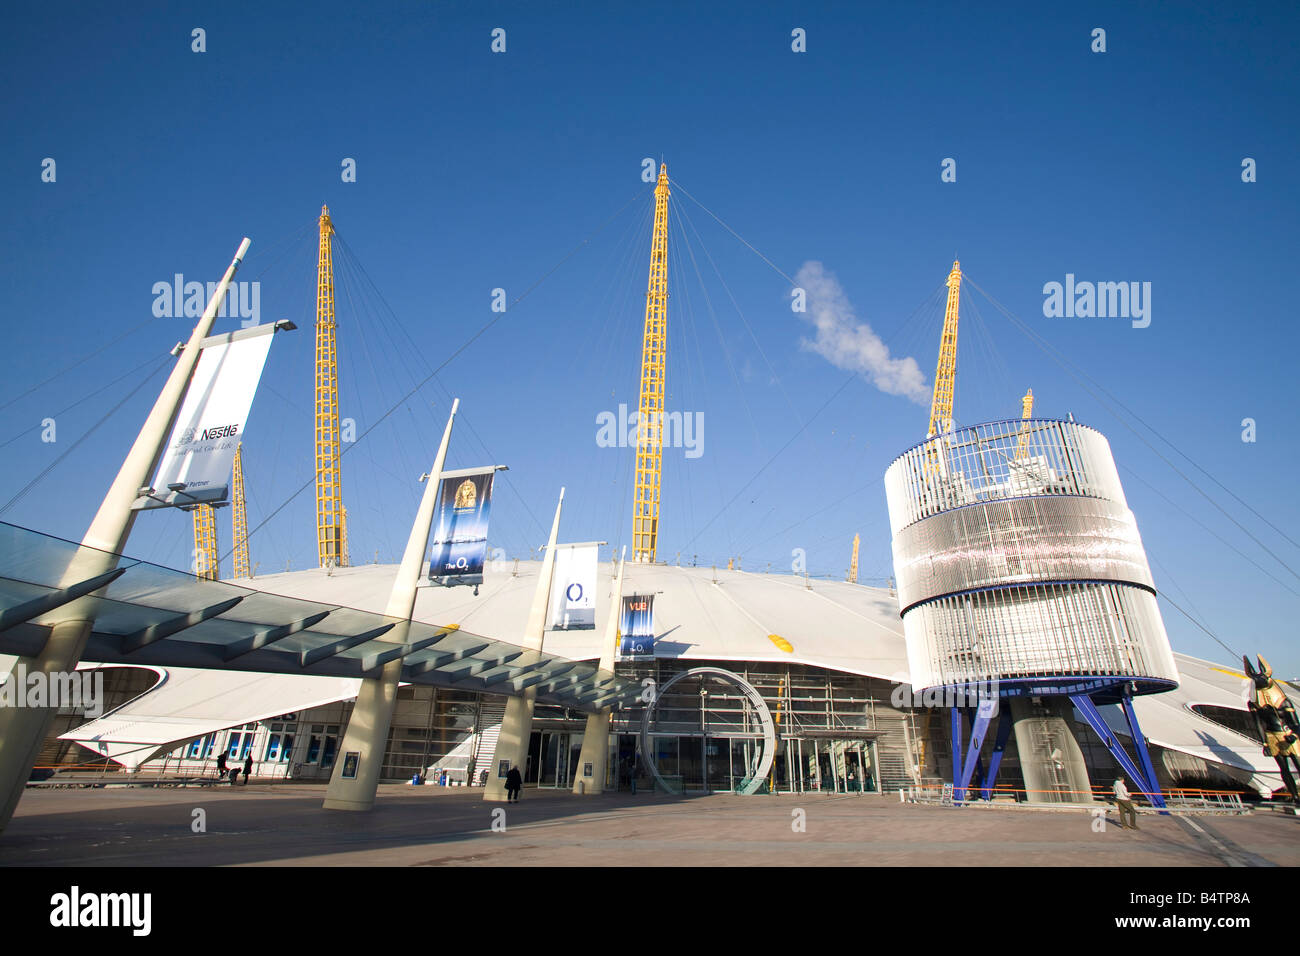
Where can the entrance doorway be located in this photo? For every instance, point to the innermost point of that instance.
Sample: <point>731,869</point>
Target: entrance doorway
<point>552,755</point>
<point>826,765</point>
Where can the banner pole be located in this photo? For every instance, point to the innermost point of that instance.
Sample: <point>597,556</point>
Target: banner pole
<point>595,736</point>
<point>366,736</point>
<point>23,729</point>
<point>517,724</point>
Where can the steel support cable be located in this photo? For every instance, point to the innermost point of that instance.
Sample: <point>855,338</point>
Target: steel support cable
<point>736,305</point>
<point>85,398</point>
<point>1184,596</point>
<point>676,184</point>
<point>347,272</point>
<point>1262,570</point>
<point>790,441</point>
<point>1052,353</point>
<point>419,354</point>
<point>290,243</point>
<point>718,482</point>
<point>451,358</point>
<point>743,240</point>
<point>1171,603</point>
<point>699,372</point>
<point>819,511</point>
<point>93,428</point>
<point>617,476</point>
<point>717,327</point>
<point>611,304</point>
<point>803,427</point>
<point>80,361</point>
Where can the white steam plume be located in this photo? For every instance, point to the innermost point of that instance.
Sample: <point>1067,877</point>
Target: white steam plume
<point>849,344</point>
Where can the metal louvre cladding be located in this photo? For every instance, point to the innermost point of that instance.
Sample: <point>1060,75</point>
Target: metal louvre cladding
<point>1080,627</point>
<point>1017,558</point>
<point>1049,538</point>
<point>998,461</point>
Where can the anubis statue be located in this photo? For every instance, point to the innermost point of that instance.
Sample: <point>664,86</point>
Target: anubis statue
<point>1276,719</point>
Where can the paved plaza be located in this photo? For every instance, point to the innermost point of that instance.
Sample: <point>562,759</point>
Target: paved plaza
<point>433,826</point>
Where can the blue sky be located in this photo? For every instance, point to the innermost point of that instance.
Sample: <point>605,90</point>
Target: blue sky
<point>478,171</point>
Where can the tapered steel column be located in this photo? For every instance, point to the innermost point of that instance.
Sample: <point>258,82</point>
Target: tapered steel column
<point>372,715</point>
<point>23,729</point>
<point>595,738</point>
<point>517,725</point>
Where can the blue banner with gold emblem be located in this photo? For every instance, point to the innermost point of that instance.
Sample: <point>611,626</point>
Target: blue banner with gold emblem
<point>460,527</point>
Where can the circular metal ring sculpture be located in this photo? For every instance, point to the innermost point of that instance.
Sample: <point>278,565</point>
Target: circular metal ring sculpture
<point>764,716</point>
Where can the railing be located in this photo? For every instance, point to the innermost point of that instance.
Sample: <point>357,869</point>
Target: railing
<point>96,775</point>
<point>1180,798</point>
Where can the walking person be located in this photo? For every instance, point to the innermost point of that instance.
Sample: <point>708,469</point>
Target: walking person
<point>248,768</point>
<point>514,783</point>
<point>221,765</point>
<point>633,765</point>
<point>1124,803</point>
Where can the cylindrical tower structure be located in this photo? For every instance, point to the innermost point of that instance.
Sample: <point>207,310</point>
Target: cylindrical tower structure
<point>1019,565</point>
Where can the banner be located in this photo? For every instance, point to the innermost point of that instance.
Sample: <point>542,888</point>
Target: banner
<point>460,527</point>
<point>200,451</point>
<point>573,587</point>
<point>636,627</point>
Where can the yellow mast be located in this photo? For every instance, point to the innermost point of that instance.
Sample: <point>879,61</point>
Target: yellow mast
<point>239,516</point>
<point>329,488</point>
<point>1027,412</point>
<point>946,372</point>
<point>650,419</point>
<point>205,543</point>
<point>853,563</point>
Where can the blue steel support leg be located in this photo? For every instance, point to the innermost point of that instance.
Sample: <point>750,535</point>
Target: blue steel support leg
<point>979,728</point>
<point>999,745</point>
<point>955,733</point>
<point>1140,746</point>
<point>1098,723</point>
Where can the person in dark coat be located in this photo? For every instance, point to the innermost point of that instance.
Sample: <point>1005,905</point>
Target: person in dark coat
<point>248,768</point>
<point>221,765</point>
<point>514,783</point>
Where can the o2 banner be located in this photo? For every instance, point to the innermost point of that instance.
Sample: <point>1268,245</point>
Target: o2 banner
<point>573,587</point>
<point>460,527</point>
<point>636,628</point>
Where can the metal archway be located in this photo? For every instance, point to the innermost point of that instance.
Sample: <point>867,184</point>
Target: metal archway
<point>760,711</point>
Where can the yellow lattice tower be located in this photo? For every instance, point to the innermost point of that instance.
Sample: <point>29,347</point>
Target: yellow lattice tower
<point>239,516</point>
<point>1026,412</point>
<point>329,487</point>
<point>347,560</point>
<point>853,562</point>
<point>205,543</point>
<point>946,372</point>
<point>650,419</point>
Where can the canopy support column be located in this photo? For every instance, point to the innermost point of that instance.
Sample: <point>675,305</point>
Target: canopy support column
<point>517,725</point>
<point>356,777</point>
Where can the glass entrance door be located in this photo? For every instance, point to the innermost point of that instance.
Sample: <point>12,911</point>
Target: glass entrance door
<point>553,759</point>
